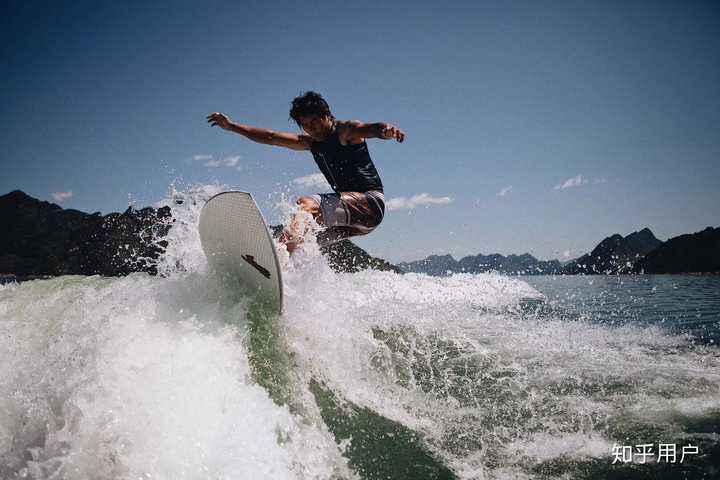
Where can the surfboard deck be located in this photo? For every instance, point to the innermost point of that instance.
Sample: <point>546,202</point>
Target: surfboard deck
<point>238,245</point>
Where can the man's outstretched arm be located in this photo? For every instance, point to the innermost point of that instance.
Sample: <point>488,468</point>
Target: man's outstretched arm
<point>354,131</point>
<point>261,135</point>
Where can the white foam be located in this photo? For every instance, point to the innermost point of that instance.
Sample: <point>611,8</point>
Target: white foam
<point>139,377</point>
<point>470,360</point>
<point>184,251</point>
<point>578,445</point>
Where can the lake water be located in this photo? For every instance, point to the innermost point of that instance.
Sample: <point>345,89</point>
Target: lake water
<point>684,304</point>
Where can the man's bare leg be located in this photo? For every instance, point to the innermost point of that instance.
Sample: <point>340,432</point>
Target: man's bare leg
<point>294,234</point>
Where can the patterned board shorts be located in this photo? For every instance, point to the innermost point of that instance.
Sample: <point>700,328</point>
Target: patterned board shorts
<point>348,214</point>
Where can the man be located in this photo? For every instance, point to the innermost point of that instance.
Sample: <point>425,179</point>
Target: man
<point>339,149</point>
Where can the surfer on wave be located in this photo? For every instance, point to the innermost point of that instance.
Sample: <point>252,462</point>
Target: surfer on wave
<point>357,205</point>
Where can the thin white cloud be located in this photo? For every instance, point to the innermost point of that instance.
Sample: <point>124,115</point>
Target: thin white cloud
<point>505,191</point>
<point>231,161</point>
<point>573,182</point>
<point>420,200</point>
<point>62,196</point>
<point>312,180</point>
<point>200,158</point>
<point>566,254</point>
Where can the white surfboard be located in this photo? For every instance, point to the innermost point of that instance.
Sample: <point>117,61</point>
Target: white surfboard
<point>238,244</point>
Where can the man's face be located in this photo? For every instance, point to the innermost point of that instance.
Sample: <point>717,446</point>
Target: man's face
<point>317,127</point>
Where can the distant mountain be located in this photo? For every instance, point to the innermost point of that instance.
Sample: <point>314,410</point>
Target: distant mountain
<point>436,265</point>
<point>615,254</point>
<point>43,239</point>
<point>442,265</point>
<point>643,241</point>
<point>695,252</point>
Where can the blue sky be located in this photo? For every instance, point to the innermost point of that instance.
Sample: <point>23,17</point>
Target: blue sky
<point>536,127</point>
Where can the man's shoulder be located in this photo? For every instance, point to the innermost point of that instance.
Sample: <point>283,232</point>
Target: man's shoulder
<point>345,124</point>
<point>345,129</point>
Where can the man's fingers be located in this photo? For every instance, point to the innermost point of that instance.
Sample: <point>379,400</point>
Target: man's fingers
<point>391,131</point>
<point>217,119</point>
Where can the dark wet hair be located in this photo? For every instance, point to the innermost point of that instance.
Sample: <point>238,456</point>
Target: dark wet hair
<point>310,104</point>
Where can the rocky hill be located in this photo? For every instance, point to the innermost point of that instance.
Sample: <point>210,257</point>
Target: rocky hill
<point>691,253</point>
<point>42,239</point>
<point>615,254</point>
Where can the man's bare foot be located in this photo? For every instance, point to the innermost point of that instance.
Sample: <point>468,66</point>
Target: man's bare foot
<point>291,246</point>
<point>290,243</point>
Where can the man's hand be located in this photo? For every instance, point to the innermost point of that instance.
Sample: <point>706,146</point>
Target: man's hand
<point>356,132</point>
<point>388,131</point>
<point>218,119</point>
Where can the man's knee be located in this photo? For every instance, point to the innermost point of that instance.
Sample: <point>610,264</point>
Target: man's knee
<point>309,205</point>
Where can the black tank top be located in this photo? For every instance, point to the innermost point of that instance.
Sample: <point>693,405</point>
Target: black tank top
<point>347,168</point>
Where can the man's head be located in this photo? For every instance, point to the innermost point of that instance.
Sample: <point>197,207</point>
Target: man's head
<point>312,113</point>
